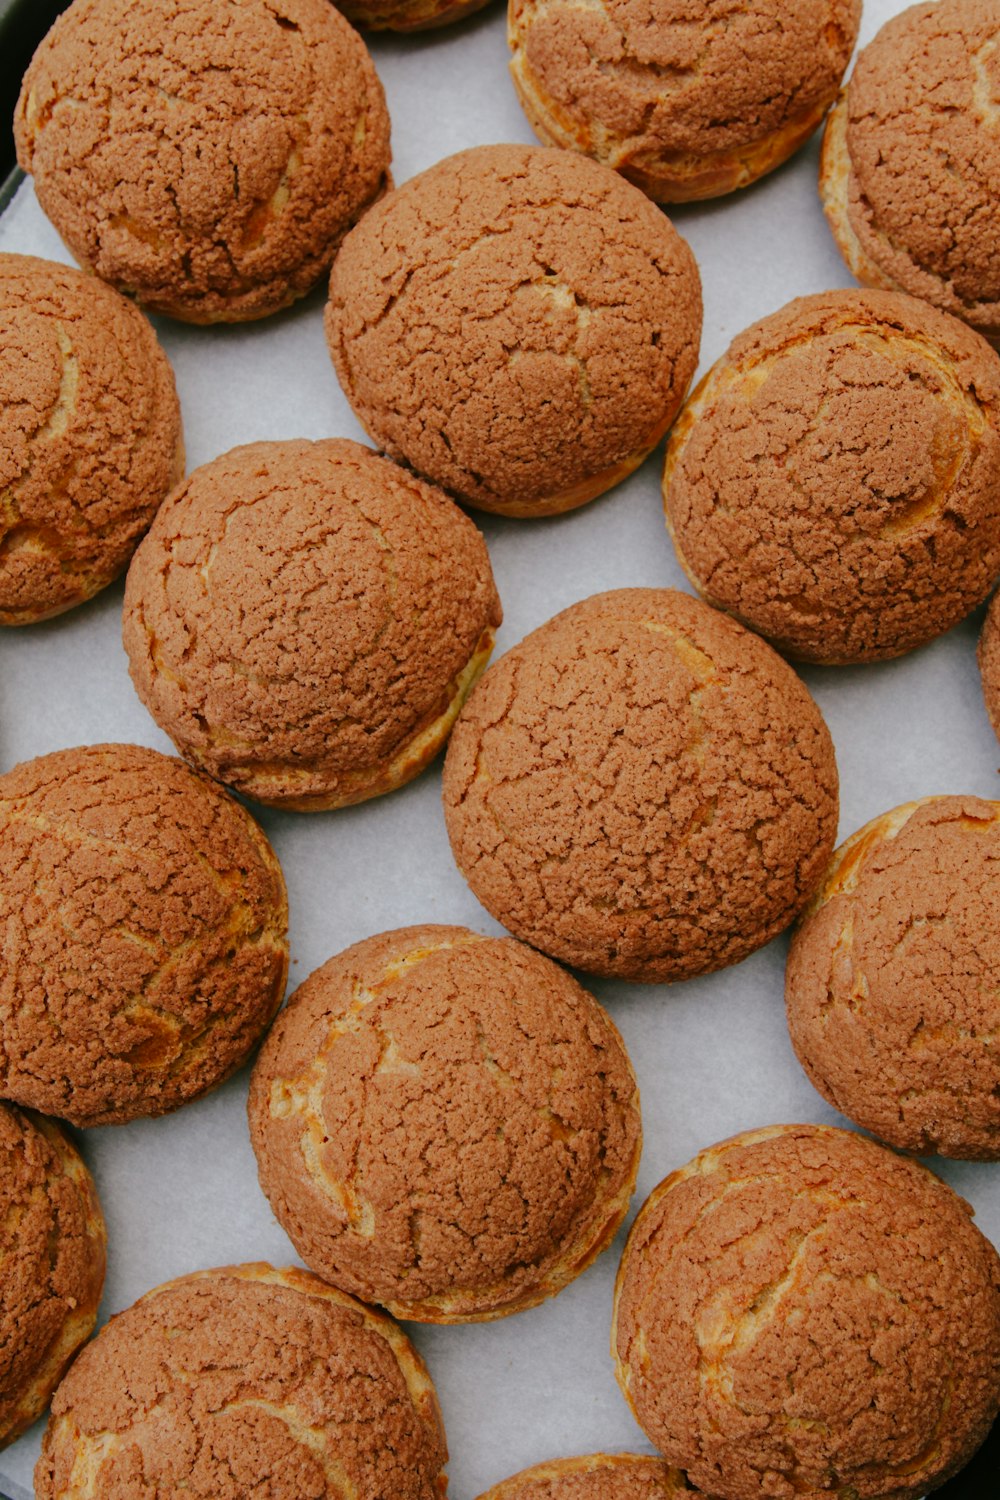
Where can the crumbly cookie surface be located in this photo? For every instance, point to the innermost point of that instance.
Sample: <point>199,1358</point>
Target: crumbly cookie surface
<point>90,436</point>
<point>912,161</point>
<point>52,1249</point>
<point>988,654</point>
<point>642,788</point>
<point>302,613</point>
<point>601,1476</point>
<point>245,1381</point>
<point>518,324</point>
<point>206,158</point>
<point>143,922</point>
<point>801,1312</point>
<point>890,987</point>
<point>835,480</point>
<point>445,1124</point>
<point>687,100</point>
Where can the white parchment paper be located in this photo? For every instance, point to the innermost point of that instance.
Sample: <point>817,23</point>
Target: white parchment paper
<point>712,1055</point>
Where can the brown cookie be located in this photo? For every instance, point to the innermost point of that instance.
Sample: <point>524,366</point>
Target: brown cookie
<point>891,986</point>
<point>245,1381</point>
<point>910,171</point>
<point>407,15</point>
<point>603,1476</point>
<point>988,654</point>
<point>642,788</point>
<point>834,481</point>
<point>90,436</point>
<point>207,159</point>
<point>687,100</point>
<point>801,1312</point>
<point>446,1124</point>
<point>518,324</point>
<point>305,621</point>
<point>143,924</point>
<point>52,1250</point>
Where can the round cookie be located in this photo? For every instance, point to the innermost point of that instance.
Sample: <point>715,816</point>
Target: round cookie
<point>800,1311</point>
<point>207,159</point>
<point>520,325</point>
<point>603,1476</point>
<point>90,436</point>
<point>642,788</point>
<point>143,923</point>
<point>52,1249</point>
<point>245,1380</point>
<point>834,481</point>
<point>685,100</point>
<point>392,1054</point>
<point>407,15</point>
<point>305,620</point>
<point>910,171</point>
<point>891,986</point>
<point>988,654</point>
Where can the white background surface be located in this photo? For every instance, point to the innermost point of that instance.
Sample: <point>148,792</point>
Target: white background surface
<point>712,1055</point>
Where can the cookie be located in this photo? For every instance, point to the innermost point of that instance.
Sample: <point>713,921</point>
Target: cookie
<point>801,1312</point>
<point>244,1381</point>
<point>604,1476</point>
<point>891,987</point>
<point>143,923</point>
<point>207,159</point>
<point>834,481</point>
<point>685,100</point>
<point>392,1054</point>
<point>52,1249</point>
<point>988,654</point>
<point>910,170</point>
<point>90,436</point>
<point>305,620</point>
<point>642,788</point>
<point>520,325</point>
<point>407,15</point>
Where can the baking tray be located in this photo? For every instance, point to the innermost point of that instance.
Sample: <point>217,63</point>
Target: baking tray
<point>712,1055</point>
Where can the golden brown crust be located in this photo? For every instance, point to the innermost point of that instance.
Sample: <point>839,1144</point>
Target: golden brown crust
<point>988,654</point>
<point>686,101</point>
<point>834,481</point>
<point>518,324</point>
<point>243,142</point>
<point>800,1312</point>
<point>52,1250</point>
<point>394,604</point>
<point>891,982</point>
<point>143,922</point>
<point>242,1380</point>
<point>400,1048</point>
<point>599,1476</point>
<point>407,15</point>
<point>641,788</point>
<point>911,163</point>
<point>90,436</point>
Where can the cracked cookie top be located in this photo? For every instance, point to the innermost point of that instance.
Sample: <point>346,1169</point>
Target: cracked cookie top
<point>518,324</point>
<point>687,100</point>
<point>799,1311</point>
<point>90,436</point>
<point>52,1250</point>
<point>245,1381</point>
<point>642,788</point>
<point>446,1124</point>
<point>834,482</point>
<point>601,1476</point>
<point>911,160</point>
<point>305,620</point>
<point>143,924</point>
<point>891,982</point>
<point>205,156</point>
